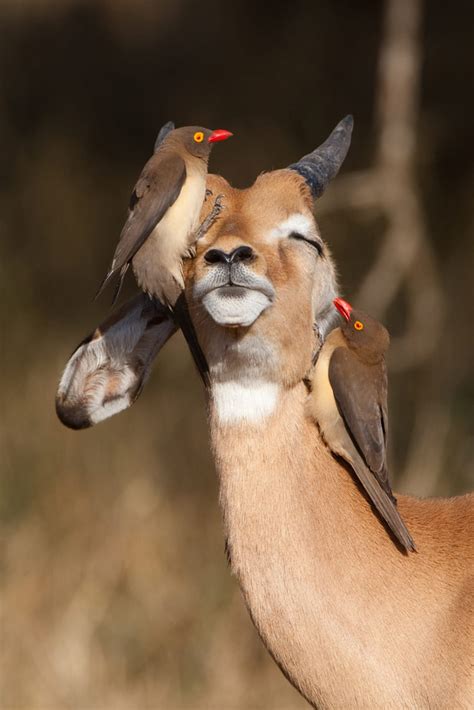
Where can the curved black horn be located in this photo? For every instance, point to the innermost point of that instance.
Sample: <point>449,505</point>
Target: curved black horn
<point>320,166</point>
<point>164,130</point>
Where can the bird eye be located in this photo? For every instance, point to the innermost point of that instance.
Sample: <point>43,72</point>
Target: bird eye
<point>199,137</point>
<point>358,325</point>
<point>312,242</point>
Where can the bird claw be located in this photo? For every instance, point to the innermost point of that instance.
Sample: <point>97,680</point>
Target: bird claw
<point>319,340</point>
<point>211,218</point>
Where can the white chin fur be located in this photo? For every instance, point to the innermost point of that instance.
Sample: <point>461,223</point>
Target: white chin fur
<point>235,306</point>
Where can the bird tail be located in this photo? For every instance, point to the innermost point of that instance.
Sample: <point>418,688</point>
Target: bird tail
<point>106,281</point>
<point>118,288</point>
<point>182,318</point>
<point>385,506</point>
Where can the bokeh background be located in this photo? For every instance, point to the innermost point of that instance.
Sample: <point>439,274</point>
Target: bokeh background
<point>115,590</point>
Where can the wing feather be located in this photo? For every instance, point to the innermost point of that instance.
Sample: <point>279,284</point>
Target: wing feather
<point>360,391</point>
<point>158,187</point>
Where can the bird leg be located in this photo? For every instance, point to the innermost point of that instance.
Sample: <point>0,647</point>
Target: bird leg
<point>211,218</point>
<point>318,344</point>
<point>205,226</point>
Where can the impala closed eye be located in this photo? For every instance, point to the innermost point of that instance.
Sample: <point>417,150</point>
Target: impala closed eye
<point>312,242</point>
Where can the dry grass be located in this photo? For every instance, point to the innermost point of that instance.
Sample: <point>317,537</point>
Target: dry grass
<point>116,593</point>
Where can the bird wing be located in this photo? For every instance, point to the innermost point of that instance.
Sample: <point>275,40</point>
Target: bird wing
<point>361,397</point>
<point>163,132</point>
<point>158,187</point>
<point>360,391</point>
<point>384,503</point>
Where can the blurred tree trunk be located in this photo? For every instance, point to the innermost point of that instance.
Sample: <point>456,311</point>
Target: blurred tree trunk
<point>406,258</point>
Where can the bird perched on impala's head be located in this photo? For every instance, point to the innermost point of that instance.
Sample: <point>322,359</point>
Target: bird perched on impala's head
<point>349,401</point>
<point>164,211</point>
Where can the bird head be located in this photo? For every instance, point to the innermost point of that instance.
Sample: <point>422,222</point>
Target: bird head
<point>361,331</point>
<point>198,141</point>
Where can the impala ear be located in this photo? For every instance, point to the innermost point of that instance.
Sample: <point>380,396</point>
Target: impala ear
<point>107,371</point>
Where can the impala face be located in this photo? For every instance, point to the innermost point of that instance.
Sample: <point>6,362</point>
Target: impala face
<point>231,292</point>
<point>262,275</point>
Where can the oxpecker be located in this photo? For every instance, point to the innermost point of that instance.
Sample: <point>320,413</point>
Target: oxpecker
<point>164,211</point>
<point>349,401</point>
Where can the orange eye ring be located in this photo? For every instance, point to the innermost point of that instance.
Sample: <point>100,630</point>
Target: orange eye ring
<point>199,137</point>
<point>358,325</point>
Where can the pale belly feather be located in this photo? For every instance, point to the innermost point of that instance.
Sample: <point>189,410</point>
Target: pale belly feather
<point>158,264</point>
<point>322,404</point>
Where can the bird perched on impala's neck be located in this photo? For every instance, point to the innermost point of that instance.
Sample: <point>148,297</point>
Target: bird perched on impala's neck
<point>349,401</point>
<point>164,211</point>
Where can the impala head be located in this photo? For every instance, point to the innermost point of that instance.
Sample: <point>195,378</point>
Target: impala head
<point>259,278</point>
<point>262,282</point>
<point>260,288</point>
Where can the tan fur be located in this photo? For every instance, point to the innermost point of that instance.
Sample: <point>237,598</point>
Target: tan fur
<point>352,621</point>
<point>247,217</point>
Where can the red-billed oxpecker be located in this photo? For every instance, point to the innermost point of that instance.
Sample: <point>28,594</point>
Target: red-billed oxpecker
<point>163,219</point>
<point>164,211</point>
<point>349,402</point>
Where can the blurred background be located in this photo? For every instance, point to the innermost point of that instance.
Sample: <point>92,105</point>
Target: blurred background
<point>115,590</point>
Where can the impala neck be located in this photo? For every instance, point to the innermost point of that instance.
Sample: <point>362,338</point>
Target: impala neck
<point>276,475</point>
<point>294,523</point>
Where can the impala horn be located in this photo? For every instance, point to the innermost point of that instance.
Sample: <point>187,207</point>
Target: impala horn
<point>322,165</point>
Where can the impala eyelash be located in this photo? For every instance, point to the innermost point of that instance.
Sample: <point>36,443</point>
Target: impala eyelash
<point>312,242</point>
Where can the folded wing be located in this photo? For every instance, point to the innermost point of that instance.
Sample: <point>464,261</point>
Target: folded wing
<point>360,391</point>
<point>155,192</point>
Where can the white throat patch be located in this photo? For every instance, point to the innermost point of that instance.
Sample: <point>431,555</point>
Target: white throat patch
<point>237,402</point>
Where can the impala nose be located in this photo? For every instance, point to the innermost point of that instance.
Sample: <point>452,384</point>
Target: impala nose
<point>217,256</point>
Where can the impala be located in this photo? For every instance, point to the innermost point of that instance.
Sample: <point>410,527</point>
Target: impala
<point>352,620</point>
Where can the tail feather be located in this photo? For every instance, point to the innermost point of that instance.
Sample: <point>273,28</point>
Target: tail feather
<point>385,506</point>
<point>104,284</point>
<point>118,288</point>
<point>107,280</point>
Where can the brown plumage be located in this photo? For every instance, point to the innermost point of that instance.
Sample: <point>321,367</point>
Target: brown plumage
<point>162,221</point>
<point>164,211</point>
<point>349,402</point>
